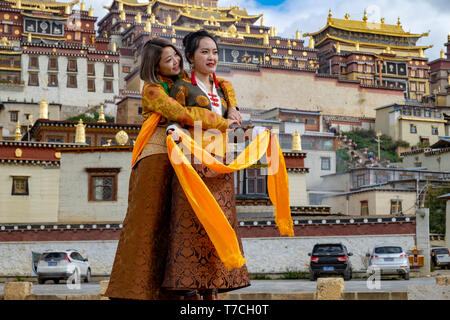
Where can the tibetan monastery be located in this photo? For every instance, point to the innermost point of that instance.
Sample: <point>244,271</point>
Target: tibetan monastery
<point>48,50</point>
<point>374,54</point>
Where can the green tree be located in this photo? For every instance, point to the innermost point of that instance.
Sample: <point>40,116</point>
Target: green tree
<point>437,209</point>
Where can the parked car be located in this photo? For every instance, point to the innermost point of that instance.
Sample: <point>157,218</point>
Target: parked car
<point>440,257</point>
<point>59,265</point>
<point>389,260</point>
<point>330,258</point>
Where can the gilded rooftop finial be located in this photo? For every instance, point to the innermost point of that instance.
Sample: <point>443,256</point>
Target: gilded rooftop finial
<point>329,15</point>
<point>91,12</point>
<point>398,22</point>
<point>101,117</point>
<point>18,133</point>
<point>365,16</point>
<point>347,16</point>
<point>296,142</point>
<point>43,109</point>
<point>80,132</point>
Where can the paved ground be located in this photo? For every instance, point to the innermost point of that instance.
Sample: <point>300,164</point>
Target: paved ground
<point>259,286</point>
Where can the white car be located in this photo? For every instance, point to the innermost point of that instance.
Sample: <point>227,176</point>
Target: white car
<point>389,260</point>
<point>59,265</point>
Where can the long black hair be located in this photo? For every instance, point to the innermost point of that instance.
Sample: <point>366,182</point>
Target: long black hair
<point>192,40</point>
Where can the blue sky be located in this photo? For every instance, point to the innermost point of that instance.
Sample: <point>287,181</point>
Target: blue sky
<point>287,16</point>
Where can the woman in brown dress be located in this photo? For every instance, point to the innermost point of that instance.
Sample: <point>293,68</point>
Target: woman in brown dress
<point>193,265</point>
<point>138,268</point>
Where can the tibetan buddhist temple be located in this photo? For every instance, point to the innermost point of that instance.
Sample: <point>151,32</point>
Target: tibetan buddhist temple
<point>49,50</point>
<point>374,54</point>
<point>440,78</point>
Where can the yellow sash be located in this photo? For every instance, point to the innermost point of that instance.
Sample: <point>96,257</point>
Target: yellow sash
<point>205,206</point>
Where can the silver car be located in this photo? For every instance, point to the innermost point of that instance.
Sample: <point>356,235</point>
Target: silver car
<point>389,260</point>
<point>59,265</point>
<point>440,257</point>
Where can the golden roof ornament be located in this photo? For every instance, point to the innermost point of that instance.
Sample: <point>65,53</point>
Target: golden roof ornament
<point>4,41</point>
<point>266,39</point>
<point>365,16</point>
<point>101,117</point>
<point>122,15</point>
<point>262,21</point>
<point>43,109</point>
<point>296,142</point>
<point>67,10</point>
<point>121,138</point>
<point>149,9</point>
<point>247,28</point>
<point>19,4</point>
<point>289,44</point>
<point>18,152</point>
<point>357,45</point>
<point>83,6</point>
<point>91,12</point>
<point>297,35</point>
<point>114,47</point>
<point>382,20</point>
<point>138,18</point>
<point>329,15</point>
<point>29,38</point>
<point>311,42</point>
<point>398,22</point>
<point>338,47</point>
<point>80,132</point>
<point>153,18</point>
<point>18,134</point>
<point>169,20</point>
<point>442,54</point>
<point>148,26</point>
<point>347,16</point>
<point>120,6</point>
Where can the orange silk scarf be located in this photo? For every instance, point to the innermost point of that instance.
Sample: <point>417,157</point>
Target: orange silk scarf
<point>205,206</point>
<point>147,130</point>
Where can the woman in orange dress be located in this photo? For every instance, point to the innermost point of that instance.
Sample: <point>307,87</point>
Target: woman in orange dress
<point>193,266</point>
<point>138,268</point>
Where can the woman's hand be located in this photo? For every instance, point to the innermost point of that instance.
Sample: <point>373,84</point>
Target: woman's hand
<point>234,114</point>
<point>175,135</point>
<point>232,122</point>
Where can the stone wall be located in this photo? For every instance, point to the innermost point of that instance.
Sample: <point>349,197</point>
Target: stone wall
<point>271,88</point>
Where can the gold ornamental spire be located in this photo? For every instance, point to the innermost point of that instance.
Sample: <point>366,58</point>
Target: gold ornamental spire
<point>83,6</point>
<point>122,15</point>
<point>296,142</point>
<point>67,10</point>
<point>442,54</point>
<point>43,109</point>
<point>148,26</point>
<point>266,39</point>
<point>311,42</point>
<point>138,18</point>
<point>149,9</point>
<point>18,134</point>
<point>29,38</point>
<point>365,16</point>
<point>91,12</point>
<point>297,35</point>
<point>101,117</point>
<point>80,132</point>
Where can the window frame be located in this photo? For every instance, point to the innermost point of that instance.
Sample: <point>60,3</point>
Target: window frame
<point>26,191</point>
<point>100,173</point>
<point>364,208</point>
<point>322,161</point>
<point>396,203</point>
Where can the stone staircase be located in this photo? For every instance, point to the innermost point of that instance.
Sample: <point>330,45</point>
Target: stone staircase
<point>359,158</point>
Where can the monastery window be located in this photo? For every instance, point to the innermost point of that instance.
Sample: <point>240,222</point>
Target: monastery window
<point>413,86</point>
<point>102,184</point>
<point>78,36</point>
<point>364,208</point>
<point>407,111</point>
<point>360,180</point>
<point>59,139</point>
<point>422,87</point>
<point>434,131</point>
<point>307,143</point>
<point>427,113</point>
<point>412,128</point>
<point>417,112</point>
<point>396,207</point>
<point>91,69</point>
<point>20,186</point>
<point>325,164</point>
<point>360,68</point>
<point>109,70</point>
<point>126,69</point>
<point>33,79</point>
<point>381,178</point>
<point>91,85</point>
<point>413,73</point>
<point>71,81</point>
<point>13,116</point>
<point>369,69</point>
<point>437,114</point>
<point>419,97</point>
<point>420,73</point>
<point>53,64</point>
<point>34,63</point>
<point>255,181</point>
<point>108,86</point>
<point>52,79</point>
<point>72,65</point>
<point>7,29</point>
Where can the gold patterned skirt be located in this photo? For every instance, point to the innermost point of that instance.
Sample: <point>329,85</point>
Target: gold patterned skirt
<point>138,268</point>
<point>192,260</point>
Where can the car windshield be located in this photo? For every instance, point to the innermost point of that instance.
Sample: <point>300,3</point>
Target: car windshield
<point>53,256</point>
<point>330,248</point>
<point>441,251</point>
<point>388,250</point>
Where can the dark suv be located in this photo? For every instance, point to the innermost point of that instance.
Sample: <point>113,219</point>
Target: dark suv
<point>330,258</point>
